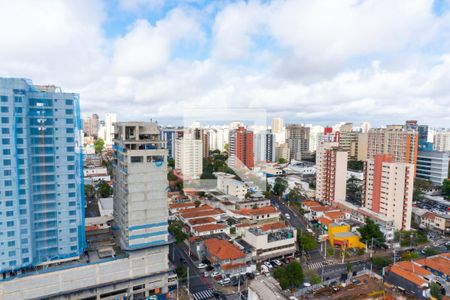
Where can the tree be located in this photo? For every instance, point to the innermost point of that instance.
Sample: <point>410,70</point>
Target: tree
<point>233,230</point>
<point>289,276</point>
<point>349,267</point>
<point>176,229</point>
<point>446,187</point>
<point>430,251</point>
<point>280,186</point>
<point>436,291</point>
<point>171,162</point>
<point>181,272</point>
<point>315,279</point>
<point>408,255</point>
<point>255,206</point>
<point>380,262</point>
<point>197,203</point>
<point>171,176</point>
<point>294,194</point>
<point>98,146</point>
<point>104,189</point>
<point>330,251</point>
<point>355,165</point>
<point>282,160</point>
<point>371,231</point>
<point>306,241</point>
<point>248,195</point>
<point>89,191</point>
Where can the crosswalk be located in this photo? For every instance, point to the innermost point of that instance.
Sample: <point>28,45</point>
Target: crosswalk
<point>206,294</point>
<point>316,265</point>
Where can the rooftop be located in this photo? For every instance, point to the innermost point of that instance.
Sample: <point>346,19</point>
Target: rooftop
<point>325,221</point>
<point>267,288</point>
<point>273,226</point>
<point>410,276</point>
<point>205,213</point>
<point>438,262</point>
<point>182,205</point>
<point>335,214</point>
<point>257,211</point>
<point>209,227</point>
<point>200,221</point>
<point>311,203</point>
<point>223,249</point>
<point>344,234</point>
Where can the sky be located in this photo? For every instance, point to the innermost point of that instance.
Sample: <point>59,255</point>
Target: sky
<point>320,62</point>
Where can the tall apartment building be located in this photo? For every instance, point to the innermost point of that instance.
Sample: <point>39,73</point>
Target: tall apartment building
<point>264,147</point>
<point>241,147</point>
<point>433,166</point>
<point>91,125</point>
<point>279,130</point>
<point>331,176</point>
<point>205,143</point>
<point>110,119</point>
<point>282,151</point>
<point>189,153</point>
<point>297,138</point>
<point>396,140</point>
<point>169,135</point>
<point>41,172</point>
<point>314,136</point>
<point>140,180</point>
<point>442,140</point>
<point>349,143</point>
<point>388,189</point>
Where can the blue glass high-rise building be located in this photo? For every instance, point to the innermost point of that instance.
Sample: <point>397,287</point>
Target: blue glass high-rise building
<point>41,175</point>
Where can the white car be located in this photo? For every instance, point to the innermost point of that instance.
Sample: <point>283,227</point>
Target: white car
<point>268,264</point>
<point>277,262</point>
<point>306,284</point>
<point>214,274</point>
<point>225,281</point>
<point>202,266</point>
<point>287,216</point>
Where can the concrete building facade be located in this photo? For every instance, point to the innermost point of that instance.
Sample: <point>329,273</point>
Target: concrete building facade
<point>388,189</point>
<point>241,147</point>
<point>331,176</point>
<point>297,138</point>
<point>433,166</point>
<point>189,153</point>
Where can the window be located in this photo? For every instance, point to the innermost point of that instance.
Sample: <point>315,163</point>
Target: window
<point>72,176</point>
<point>69,102</point>
<point>70,168</point>
<point>19,130</point>
<point>12,253</point>
<point>11,243</point>
<point>9,203</point>
<point>4,98</point>
<point>6,152</point>
<point>72,195</point>
<point>10,223</point>
<point>12,263</point>
<point>7,172</point>
<point>70,149</point>
<point>5,130</point>
<point>6,162</point>
<point>70,158</point>
<point>69,130</point>
<point>9,213</point>
<point>71,185</point>
<point>4,109</point>
<point>5,120</point>
<point>18,99</point>
<point>69,121</point>
<point>72,213</point>
<point>8,193</point>
<point>18,110</point>
<point>10,233</point>
<point>137,159</point>
<point>70,139</point>
<point>25,260</point>
<point>8,182</point>
<point>69,111</point>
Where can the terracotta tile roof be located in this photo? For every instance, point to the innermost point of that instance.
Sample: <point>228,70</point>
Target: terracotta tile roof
<point>91,228</point>
<point>257,211</point>
<point>413,267</point>
<point>182,204</point>
<point>223,249</point>
<point>205,213</point>
<point>209,227</point>
<point>197,209</point>
<point>320,208</point>
<point>204,220</point>
<point>325,221</point>
<point>311,203</point>
<point>437,262</point>
<point>429,216</point>
<point>233,266</point>
<point>273,226</point>
<point>242,225</point>
<point>410,276</point>
<point>335,214</point>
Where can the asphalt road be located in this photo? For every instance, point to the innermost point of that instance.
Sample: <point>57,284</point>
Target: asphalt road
<point>197,283</point>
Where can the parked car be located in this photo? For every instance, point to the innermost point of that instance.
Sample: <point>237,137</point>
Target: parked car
<point>268,264</point>
<point>306,284</point>
<point>209,268</point>
<point>225,281</point>
<point>287,216</point>
<point>202,266</point>
<point>277,262</point>
<point>205,274</point>
<point>250,275</point>
<point>214,274</point>
<point>218,277</point>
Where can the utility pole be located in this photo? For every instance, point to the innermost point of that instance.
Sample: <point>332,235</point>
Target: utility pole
<point>371,249</point>
<point>188,280</point>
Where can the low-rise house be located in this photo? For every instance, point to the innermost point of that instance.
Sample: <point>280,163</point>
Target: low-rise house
<point>259,215</point>
<point>272,240</point>
<point>340,234</point>
<point>177,207</point>
<point>209,229</point>
<point>411,277</point>
<point>226,183</point>
<point>439,265</point>
<point>427,220</point>
<point>226,255</point>
<point>442,223</point>
<point>200,212</point>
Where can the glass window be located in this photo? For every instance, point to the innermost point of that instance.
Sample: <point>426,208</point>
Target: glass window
<point>137,159</point>
<point>9,213</point>
<point>5,120</point>
<point>69,121</point>
<point>4,109</point>
<point>69,130</point>
<point>5,130</point>
<point>7,172</point>
<point>6,162</point>
<point>4,98</point>
<point>69,102</point>
<point>6,152</point>
<point>10,233</point>
<point>69,111</point>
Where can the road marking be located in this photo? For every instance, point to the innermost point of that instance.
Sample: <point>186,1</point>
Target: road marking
<point>203,295</point>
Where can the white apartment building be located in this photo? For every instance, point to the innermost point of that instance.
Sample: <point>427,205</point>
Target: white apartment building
<point>388,189</point>
<point>331,176</point>
<point>271,241</point>
<point>441,140</point>
<point>230,186</point>
<point>314,134</point>
<point>110,119</point>
<point>189,155</point>
<point>264,147</point>
<point>279,130</point>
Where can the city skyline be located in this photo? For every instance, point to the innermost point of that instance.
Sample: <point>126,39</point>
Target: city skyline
<point>297,59</point>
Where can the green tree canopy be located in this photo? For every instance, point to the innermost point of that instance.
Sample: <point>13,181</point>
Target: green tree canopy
<point>289,276</point>
<point>315,279</point>
<point>372,231</point>
<point>176,229</point>
<point>171,162</point>
<point>355,165</point>
<point>197,203</point>
<point>295,194</point>
<point>104,189</point>
<point>280,186</point>
<point>171,176</point>
<point>282,160</point>
<point>430,251</point>
<point>89,191</point>
<point>98,146</point>
<point>306,241</point>
<point>410,255</point>
<point>446,187</point>
<point>436,291</point>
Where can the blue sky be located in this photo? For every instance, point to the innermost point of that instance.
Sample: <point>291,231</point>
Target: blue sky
<point>317,62</point>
